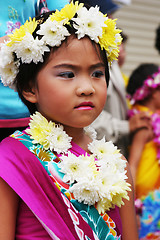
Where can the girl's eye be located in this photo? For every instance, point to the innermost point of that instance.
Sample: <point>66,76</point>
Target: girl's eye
<point>98,74</point>
<point>66,74</point>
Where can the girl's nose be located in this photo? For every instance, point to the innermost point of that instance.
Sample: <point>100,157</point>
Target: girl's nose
<point>85,88</point>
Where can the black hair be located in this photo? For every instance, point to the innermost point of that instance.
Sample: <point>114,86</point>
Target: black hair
<point>28,72</point>
<point>157,40</point>
<point>124,37</point>
<point>139,75</point>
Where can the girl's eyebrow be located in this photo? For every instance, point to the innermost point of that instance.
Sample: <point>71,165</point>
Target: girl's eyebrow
<point>66,65</point>
<point>98,65</point>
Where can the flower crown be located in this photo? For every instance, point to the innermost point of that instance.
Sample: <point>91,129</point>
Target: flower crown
<point>152,82</point>
<point>24,48</point>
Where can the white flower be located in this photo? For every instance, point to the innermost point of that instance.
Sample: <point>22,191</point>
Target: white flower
<point>100,148</point>
<point>157,79</point>
<point>53,32</point>
<point>119,163</point>
<point>71,166</point>
<point>113,189</point>
<point>90,23</point>
<point>86,191</point>
<point>76,168</point>
<point>106,181</point>
<point>118,38</point>
<point>104,205</point>
<point>149,82</point>
<point>30,49</point>
<point>6,55</point>
<point>8,74</point>
<point>59,140</point>
<point>113,161</point>
<point>89,166</point>
<point>90,131</point>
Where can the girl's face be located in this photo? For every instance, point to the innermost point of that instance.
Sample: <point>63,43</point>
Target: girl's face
<point>156,98</point>
<point>122,55</point>
<point>71,88</point>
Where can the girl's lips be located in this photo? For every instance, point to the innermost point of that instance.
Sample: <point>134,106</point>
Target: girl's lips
<point>85,106</point>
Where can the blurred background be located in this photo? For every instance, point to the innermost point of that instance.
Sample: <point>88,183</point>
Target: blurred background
<point>139,20</point>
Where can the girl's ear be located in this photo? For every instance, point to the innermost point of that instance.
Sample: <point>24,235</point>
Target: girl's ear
<point>30,95</point>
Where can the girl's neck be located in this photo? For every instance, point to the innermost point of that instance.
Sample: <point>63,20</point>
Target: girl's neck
<point>78,136</point>
<point>151,107</point>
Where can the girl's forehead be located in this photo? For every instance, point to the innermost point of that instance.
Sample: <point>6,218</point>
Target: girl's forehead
<point>73,47</point>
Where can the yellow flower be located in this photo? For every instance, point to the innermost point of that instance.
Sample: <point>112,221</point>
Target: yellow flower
<point>108,35</point>
<point>117,199</point>
<point>67,12</point>
<point>113,55</point>
<point>39,129</point>
<point>18,34</point>
<point>104,205</point>
<point>108,41</point>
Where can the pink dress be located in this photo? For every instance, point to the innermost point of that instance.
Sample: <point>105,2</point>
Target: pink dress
<point>44,211</point>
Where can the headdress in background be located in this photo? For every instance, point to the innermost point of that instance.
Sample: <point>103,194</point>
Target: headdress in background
<point>151,83</point>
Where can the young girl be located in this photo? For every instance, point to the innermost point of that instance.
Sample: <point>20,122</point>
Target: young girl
<point>57,180</point>
<point>144,158</point>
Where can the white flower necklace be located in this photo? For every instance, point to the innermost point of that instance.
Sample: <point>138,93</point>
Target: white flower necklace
<point>96,179</point>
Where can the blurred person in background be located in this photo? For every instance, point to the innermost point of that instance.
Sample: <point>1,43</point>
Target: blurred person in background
<point>157,39</point>
<point>144,155</point>
<point>122,59</point>
<point>122,56</point>
<point>13,113</point>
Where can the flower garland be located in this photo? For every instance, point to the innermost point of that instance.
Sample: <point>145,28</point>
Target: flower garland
<point>97,179</point>
<point>155,122</point>
<point>151,83</point>
<point>23,47</point>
